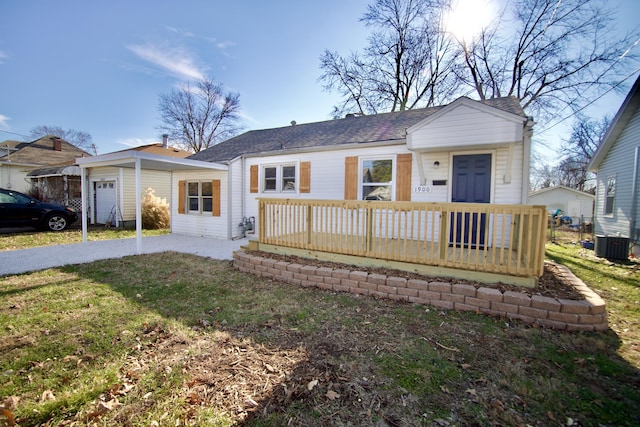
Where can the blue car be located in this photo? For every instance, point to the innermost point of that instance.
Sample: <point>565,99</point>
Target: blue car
<point>20,210</point>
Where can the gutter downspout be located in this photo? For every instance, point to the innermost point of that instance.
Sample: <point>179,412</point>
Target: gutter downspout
<point>634,197</point>
<point>526,158</point>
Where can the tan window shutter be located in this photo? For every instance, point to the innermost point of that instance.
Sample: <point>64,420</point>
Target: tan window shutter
<point>253,179</point>
<point>403,178</point>
<point>351,178</point>
<point>181,188</point>
<point>305,177</point>
<point>215,199</point>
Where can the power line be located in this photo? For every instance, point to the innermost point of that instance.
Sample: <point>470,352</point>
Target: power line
<point>14,133</point>
<point>591,102</point>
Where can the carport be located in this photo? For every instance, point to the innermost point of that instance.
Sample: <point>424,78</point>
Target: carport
<point>138,161</point>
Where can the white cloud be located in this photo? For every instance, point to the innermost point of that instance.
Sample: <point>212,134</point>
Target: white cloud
<point>225,44</point>
<point>3,56</point>
<point>174,60</point>
<point>4,122</point>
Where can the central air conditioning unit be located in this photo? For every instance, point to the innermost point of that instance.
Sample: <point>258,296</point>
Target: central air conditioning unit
<point>612,247</point>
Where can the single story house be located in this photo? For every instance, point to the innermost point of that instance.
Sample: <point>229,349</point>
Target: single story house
<point>466,151</point>
<point>617,165</point>
<point>17,159</point>
<point>58,184</point>
<point>111,189</point>
<point>573,203</point>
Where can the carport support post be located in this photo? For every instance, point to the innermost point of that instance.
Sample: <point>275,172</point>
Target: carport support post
<point>84,194</point>
<point>138,209</point>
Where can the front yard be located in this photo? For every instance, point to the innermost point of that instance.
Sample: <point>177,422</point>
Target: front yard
<point>174,339</point>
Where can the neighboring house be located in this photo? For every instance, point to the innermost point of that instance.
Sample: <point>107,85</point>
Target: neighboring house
<point>617,165</point>
<point>111,189</point>
<point>466,151</point>
<point>573,203</point>
<point>59,184</point>
<point>17,159</point>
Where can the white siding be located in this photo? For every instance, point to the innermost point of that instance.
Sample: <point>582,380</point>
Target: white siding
<point>464,126</point>
<point>204,225</point>
<point>327,174</point>
<point>14,177</point>
<point>619,163</point>
<point>238,186</point>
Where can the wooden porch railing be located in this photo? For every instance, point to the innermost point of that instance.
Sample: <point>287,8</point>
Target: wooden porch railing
<point>505,239</point>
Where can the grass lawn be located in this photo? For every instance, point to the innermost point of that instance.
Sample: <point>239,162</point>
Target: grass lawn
<point>174,339</point>
<point>30,239</point>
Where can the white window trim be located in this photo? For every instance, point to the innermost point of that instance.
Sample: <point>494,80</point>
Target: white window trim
<point>279,176</point>
<point>606,197</point>
<point>187,205</point>
<point>392,183</point>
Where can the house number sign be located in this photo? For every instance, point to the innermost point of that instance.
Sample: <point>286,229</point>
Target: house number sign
<point>422,189</point>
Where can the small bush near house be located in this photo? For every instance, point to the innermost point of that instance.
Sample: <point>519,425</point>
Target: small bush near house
<point>155,211</point>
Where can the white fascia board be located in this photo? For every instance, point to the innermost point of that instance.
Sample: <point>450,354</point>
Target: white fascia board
<point>148,161</point>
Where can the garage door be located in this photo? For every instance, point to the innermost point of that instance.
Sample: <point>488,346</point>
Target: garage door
<point>105,201</point>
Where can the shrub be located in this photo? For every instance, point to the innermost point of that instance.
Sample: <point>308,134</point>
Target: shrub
<point>155,211</point>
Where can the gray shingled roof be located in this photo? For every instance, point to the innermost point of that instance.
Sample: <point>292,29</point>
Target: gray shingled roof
<point>350,130</point>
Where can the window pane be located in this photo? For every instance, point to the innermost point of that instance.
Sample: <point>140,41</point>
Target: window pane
<point>270,184</point>
<point>610,196</point>
<point>193,204</point>
<point>288,178</point>
<point>269,172</point>
<point>193,189</point>
<point>269,179</point>
<point>206,204</point>
<point>207,189</point>
<point>376,192</point>
<point>611,186</point>
<point>377,170</point>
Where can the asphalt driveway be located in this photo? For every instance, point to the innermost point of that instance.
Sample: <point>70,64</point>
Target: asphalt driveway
<point>24,260</point>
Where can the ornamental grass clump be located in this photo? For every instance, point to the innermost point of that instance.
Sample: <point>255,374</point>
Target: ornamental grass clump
<point>155,211</point>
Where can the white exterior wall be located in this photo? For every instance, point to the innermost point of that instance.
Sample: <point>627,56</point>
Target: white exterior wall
<point>236,201</point>
<point>14,177</point>
<point>327,174</point>
<point>201,225</point>
<point>619,163</point>
<point>465,126</point>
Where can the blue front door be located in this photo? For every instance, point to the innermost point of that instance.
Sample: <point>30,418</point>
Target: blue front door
<point>471,183</point>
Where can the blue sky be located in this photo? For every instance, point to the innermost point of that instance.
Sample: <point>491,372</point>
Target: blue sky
<point>99,67</point>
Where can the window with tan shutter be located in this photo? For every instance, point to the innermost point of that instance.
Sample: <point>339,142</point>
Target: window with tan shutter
<point>199,197</point>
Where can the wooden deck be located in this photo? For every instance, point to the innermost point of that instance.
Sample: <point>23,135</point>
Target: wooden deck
<point>504,239</point>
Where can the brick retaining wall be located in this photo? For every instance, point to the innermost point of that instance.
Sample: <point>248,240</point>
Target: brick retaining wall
<point>586,315</point>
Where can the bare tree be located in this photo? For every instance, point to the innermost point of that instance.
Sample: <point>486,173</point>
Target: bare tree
<point>78,138</point>
<point>199,116</point>
<point>552,55</point>
<point>408,63</point>
<point>578,150</point>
